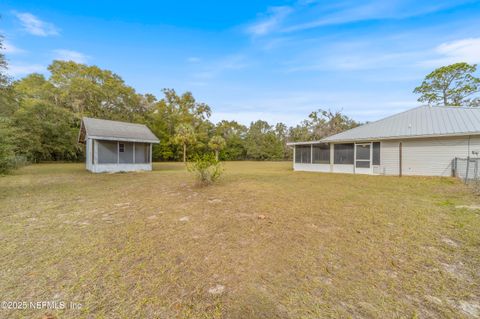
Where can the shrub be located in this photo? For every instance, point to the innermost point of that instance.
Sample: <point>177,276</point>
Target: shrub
<point>7,154</point>
<point>207,169</point>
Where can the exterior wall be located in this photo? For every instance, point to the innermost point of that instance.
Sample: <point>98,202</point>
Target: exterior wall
<point>311,167</point>
<point>88,153</point>
<point>343,168</point>
<point>424,157</point>
<point>114,168</point>
<point>389,158</point>
<point>427,157</point>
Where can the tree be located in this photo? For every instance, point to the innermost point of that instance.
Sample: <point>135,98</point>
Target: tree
<point>262,143</point>
<point>7,155</point>
<point>325,123</point>
<point>170,112</point>
<point>234,135</point>
<point>45,132</point>
<point>449,85</point>
<point>217,143</point>
<point>281,131</point>
<point>185,135</point>
<point>321,124</point>
<point>3,65</point>
<point>89,90</point>
<point>35,87</point>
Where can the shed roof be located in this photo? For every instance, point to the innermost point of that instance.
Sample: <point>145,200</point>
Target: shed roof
<point>115,130</point>
<point>422,121</point>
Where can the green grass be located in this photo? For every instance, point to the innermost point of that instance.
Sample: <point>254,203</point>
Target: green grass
<point>330,245</point>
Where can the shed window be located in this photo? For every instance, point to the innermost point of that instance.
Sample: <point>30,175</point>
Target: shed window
<point>121,147</point>
<point>321,154</point>
<point>303,154</point>
<point>343,154</point>
<point>376,153</point>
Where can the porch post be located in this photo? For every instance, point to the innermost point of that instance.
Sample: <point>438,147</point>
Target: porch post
<point>150,153</point>
<point>134,153</point>
<point>294,156</point>
<point>95,152</point>
<point>354,157</point>
<point>332,156</point>
<point>118,152</point>
<point>311,153</point>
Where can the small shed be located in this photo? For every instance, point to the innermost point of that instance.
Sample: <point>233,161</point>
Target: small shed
<point>113,146</point>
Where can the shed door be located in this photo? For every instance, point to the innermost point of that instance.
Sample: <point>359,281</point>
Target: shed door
<point>363,158</point>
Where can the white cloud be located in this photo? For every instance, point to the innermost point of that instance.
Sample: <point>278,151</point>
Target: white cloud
<point>309,14</point>
<point>70,55</point>
<point>9,48</point>
<point>464,50</point>
<point>35,26</point>
<point>291,107</point>
<point>275,16</point>
<point>17,70</point>
<point>193,59</point>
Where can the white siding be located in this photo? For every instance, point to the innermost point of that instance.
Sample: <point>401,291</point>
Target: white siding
<point>113,168</point>
<point>427,157</point>
<point>389,157</point>
<point>433,156</point>
<point>88,153</point>
<point>311,167</point>
<point>343,168</point>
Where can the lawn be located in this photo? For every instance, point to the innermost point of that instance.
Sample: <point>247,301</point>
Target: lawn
<point>265,242</point>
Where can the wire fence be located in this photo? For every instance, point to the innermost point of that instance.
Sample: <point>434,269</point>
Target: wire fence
<point>467,168</point>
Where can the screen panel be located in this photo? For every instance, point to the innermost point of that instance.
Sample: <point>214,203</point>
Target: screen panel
<point>107,152</point>
<point>343,153</point>
<point>321,154</point>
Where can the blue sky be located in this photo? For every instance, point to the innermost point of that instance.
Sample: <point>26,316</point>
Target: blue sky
<point>274,60</point>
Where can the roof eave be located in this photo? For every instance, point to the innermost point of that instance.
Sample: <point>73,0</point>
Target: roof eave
<point>304,143</point>
<point>400,137</point>
<point>123,139</point>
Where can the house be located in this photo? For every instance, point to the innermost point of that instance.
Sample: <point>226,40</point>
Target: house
<point>113,146</point>
<point>420,141</point>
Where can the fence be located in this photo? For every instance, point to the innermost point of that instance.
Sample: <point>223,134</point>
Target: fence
<point>466,168</point>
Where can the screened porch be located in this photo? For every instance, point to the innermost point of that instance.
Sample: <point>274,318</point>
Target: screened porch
<point>359,158</point>
<point>118,152</point>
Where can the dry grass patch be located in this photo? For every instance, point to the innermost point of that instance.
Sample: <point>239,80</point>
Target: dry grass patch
<point>265,242</point>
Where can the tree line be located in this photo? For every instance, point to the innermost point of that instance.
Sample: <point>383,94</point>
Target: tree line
<point>40,119</point>
<point>40,116</point>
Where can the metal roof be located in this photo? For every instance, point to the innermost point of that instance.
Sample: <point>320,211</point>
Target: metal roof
<point>422,121</point>
<point>117,131</point>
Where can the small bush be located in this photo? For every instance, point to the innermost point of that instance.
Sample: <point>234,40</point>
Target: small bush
<point>207,169</point>
<point>7,158</point>
<point>11,162</point>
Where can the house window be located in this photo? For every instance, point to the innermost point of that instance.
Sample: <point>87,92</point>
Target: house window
<point>343,154</point>
<point>321,154</point>
<point>303,154</point>
<point>121,147</point>
<point>376,153</point>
